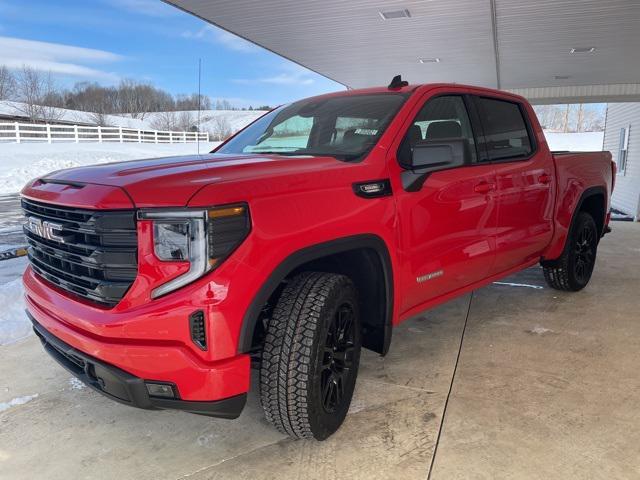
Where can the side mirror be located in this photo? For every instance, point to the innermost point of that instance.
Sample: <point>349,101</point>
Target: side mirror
<point>433,155</point>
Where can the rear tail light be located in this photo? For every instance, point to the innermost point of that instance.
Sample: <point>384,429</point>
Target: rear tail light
<point>614,173</point>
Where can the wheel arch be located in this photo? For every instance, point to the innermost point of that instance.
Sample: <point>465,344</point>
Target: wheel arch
<point>365,258</point>
<point>592,200</point>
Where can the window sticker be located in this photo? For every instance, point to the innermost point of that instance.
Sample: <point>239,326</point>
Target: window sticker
<point>366,131</point>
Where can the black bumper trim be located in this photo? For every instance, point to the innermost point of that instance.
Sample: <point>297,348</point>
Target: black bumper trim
<point>123,387</point>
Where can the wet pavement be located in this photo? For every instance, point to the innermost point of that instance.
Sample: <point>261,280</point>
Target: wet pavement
<point>11,220</point>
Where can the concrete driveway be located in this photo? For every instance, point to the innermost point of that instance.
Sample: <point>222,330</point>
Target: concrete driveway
<point>547,387</point>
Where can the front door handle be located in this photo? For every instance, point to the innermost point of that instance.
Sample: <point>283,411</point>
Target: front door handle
<point>544,178</point>
<point>484,187</point>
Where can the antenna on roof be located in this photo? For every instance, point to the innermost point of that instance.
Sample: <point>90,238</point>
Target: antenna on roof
<point>199,104</point>
<point>397,82</point>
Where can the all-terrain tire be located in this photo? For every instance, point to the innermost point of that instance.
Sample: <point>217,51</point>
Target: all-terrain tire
<point>307,378</point>
<point>572,271</point>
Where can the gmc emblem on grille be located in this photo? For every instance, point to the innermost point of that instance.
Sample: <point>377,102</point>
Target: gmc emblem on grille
<point>45,229</point>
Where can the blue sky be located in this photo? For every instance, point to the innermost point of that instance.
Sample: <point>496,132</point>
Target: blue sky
<point>147,40</point>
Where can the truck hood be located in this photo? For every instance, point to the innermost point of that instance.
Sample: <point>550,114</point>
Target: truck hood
<point>172,181</point>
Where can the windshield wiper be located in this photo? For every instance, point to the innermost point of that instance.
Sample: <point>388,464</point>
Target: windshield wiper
<point>347,156</point>
<point>319,153</point>
<point>295,153</point>
<point>272,152</point>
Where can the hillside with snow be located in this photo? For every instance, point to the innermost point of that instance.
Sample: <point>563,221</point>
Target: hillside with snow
<point>576,142</point>
<point>20,162</point>
<point>209,119</point>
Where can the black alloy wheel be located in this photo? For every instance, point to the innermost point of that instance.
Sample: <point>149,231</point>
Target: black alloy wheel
<point>337,363</point>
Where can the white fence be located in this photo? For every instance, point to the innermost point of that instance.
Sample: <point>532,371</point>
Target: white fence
<point>38,132</point>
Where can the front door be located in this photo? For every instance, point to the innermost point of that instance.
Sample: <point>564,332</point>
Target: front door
<point>447,225</point>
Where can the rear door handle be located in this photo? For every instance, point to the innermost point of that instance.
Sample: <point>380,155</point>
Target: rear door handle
<point>544,178</point>
<point>484,187</point>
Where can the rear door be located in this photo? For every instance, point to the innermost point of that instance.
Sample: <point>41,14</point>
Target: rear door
<point>524,179</point>
<point>447,224</point>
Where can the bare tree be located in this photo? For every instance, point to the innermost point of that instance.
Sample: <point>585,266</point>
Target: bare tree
<point>572,117</point>
<point>167,121</point>
<point>139,99</point>
<point>7,84</point>
<point>99,119</point>
<point>220,128</point>
<point>223,104</point>
<point>39,95</point>
<point>593,121</point>
<point>187,121</point>
<point>190,102</point>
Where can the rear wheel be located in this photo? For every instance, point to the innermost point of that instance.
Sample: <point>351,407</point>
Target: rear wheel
<point>572,271</point>
<point>311,355</point>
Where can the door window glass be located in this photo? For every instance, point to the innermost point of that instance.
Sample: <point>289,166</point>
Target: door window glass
<point>441,118</point>
<point>505,131</point>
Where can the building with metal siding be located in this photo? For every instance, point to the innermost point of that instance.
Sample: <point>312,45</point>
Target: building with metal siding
<point>622,139</point>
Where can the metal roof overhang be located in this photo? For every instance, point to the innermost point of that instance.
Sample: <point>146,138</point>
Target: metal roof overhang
<point>519,45</point>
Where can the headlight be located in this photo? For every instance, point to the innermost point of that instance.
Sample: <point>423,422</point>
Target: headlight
<point>204,238</point>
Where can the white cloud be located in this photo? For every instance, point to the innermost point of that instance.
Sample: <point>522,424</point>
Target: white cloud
<point>212,34</point>
<point>151,8</point>
<point>56,58</point>
<point>293,75</point>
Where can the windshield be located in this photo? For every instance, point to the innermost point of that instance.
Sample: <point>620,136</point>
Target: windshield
<point>345,127</point>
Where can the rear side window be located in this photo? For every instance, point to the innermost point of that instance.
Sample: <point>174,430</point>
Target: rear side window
<point>505,129</point>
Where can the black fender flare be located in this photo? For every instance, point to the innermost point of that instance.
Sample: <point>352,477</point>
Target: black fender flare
<point>588,192</point>
<point>315,252</point>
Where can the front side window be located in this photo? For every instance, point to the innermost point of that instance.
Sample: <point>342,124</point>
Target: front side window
<point>505,130</point>
<point>441,118</point>
<point>345,127</point>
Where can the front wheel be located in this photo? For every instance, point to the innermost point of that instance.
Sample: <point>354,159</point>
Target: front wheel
<point>572,271</point>
<point>311,355</point>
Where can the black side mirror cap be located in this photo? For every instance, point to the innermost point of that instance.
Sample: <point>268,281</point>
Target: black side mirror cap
<point>431,156</point>
<point>439,154</point>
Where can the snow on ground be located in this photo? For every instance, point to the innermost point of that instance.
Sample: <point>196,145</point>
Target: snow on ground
<point>65,115</point>
<point>577,142</point>
<point>16,401</point>
<point>235,118</point>
<point>11,269</point>
<point>20,162</point>
<point>14,324</point>
<point>209,119</point>
<point>76,384</point>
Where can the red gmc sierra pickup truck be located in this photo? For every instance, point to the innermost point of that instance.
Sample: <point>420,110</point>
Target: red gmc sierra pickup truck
<point>306,236</point>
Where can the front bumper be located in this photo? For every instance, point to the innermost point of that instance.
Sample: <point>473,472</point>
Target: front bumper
<point>151,342</point>
<point>125,388</point>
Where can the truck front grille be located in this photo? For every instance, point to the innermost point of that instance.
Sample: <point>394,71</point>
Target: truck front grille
<point>89,253</point>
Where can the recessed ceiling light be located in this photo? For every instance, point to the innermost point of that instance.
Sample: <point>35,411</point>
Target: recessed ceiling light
<point>583,50</point>
<point>429,60</point>
<point>562,77</point>
<point>393,14</point>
